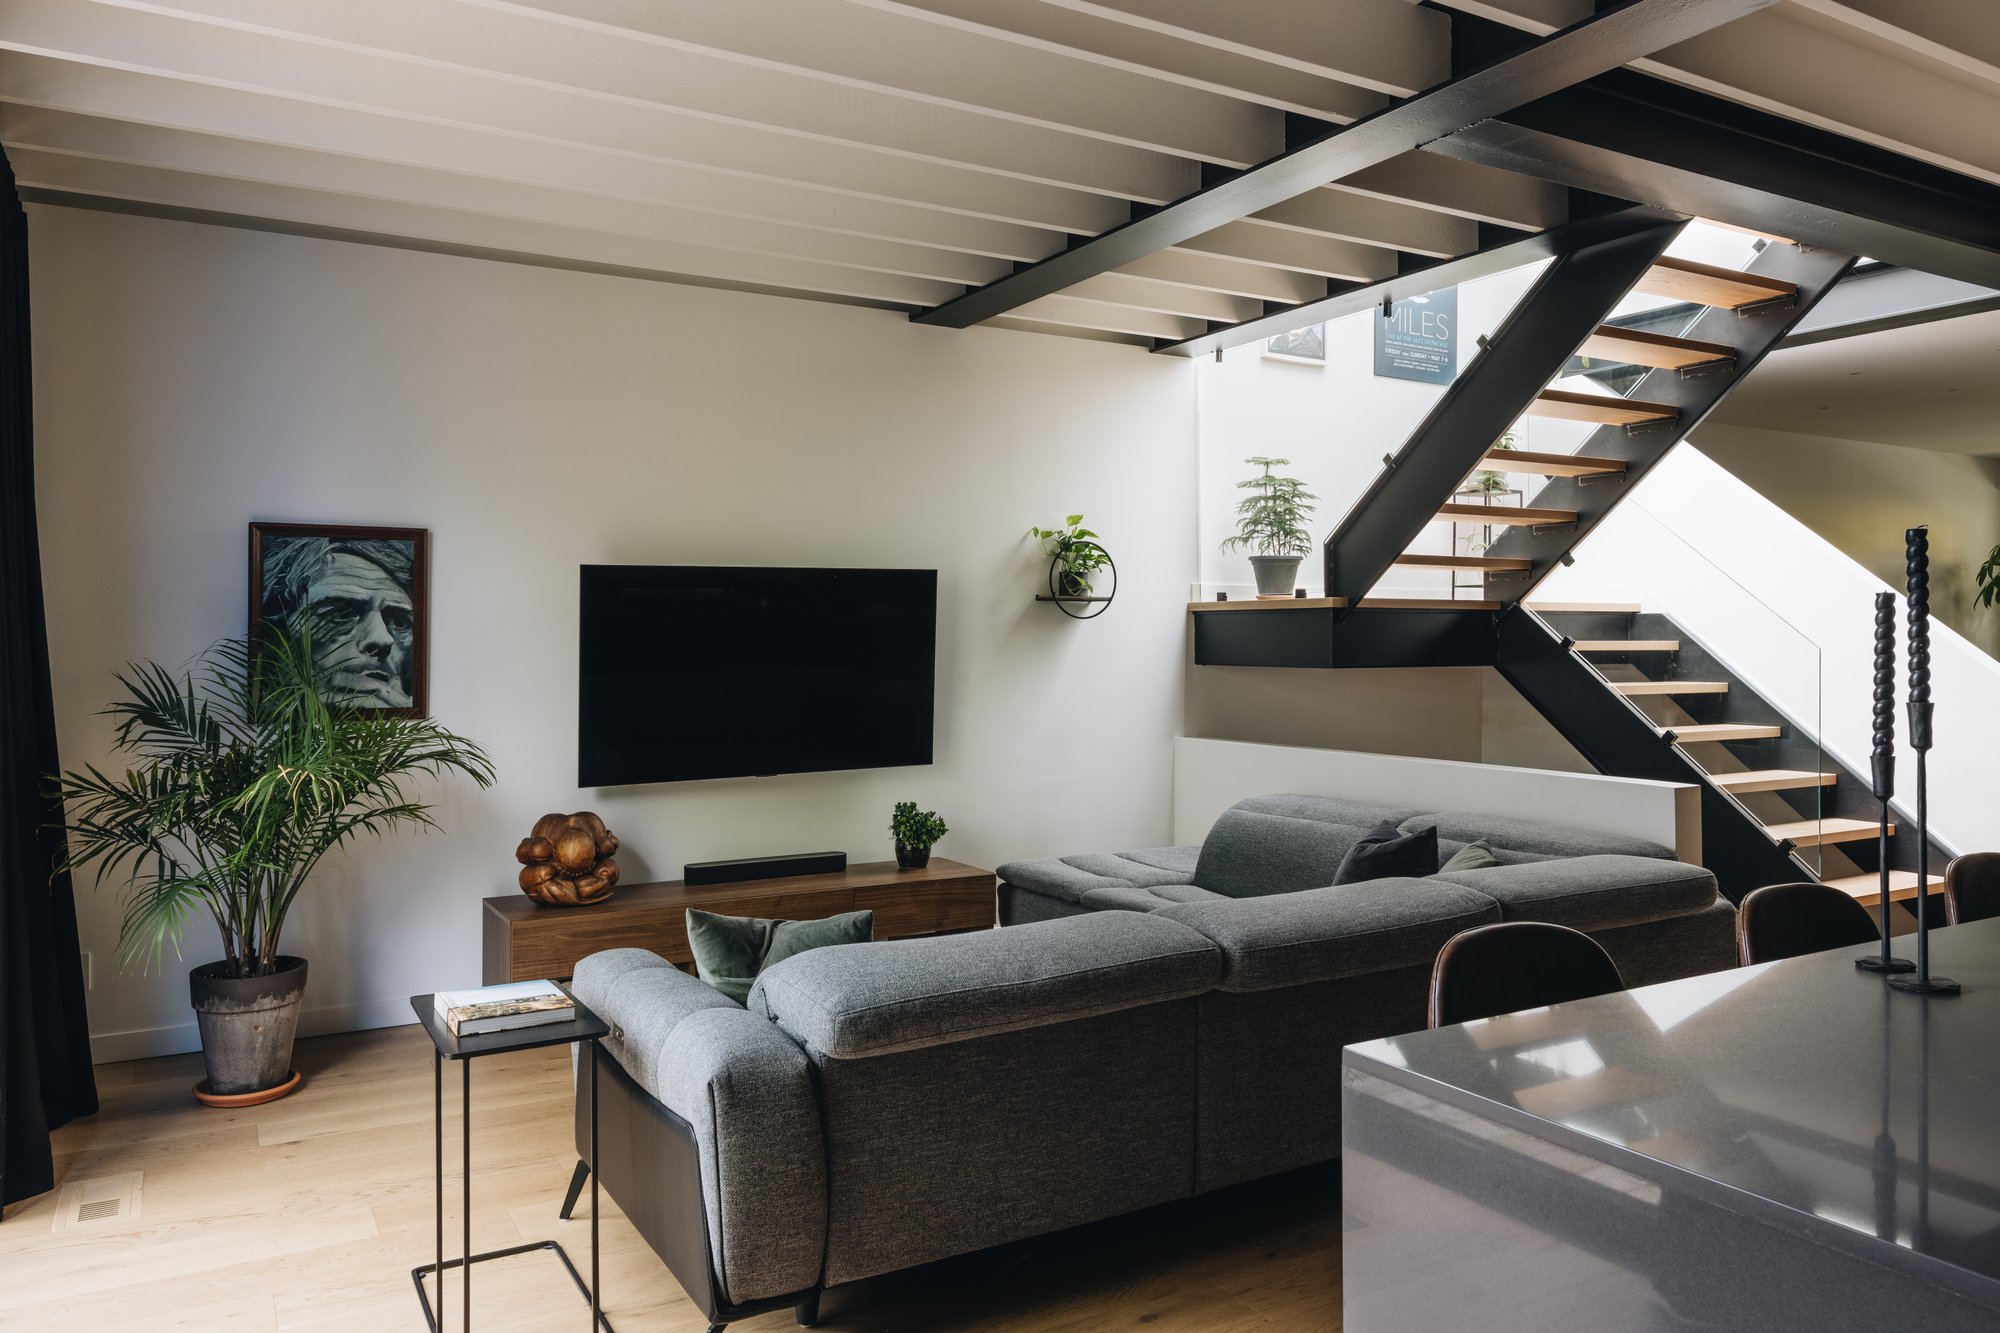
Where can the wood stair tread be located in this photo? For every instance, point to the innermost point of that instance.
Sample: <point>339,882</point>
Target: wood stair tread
<point>1497,564</point>
<point>1705,284</point>
<point>1697,732</point>
<point>1821,832</point>
<point>1549,465</point>
<point>1366,604</point>
<point>1602,409</point>
<point>1627,645</point>
<point>1584,608</point>
<point>1772,779</point>
<point>1500,517</point>
<point>1867,889</point>
<point>1661,351</point>
<point>1643,687</point>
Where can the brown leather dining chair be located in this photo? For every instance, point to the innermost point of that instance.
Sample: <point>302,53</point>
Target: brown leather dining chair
<point>1501,969</point>
<point>1972,887</point>
<point>1787,920</point>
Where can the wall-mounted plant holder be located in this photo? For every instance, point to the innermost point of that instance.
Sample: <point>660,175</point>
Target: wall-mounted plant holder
<point>1072,602</point>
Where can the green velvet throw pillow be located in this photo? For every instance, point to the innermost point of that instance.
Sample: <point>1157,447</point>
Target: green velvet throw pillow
<point>1473,856</point>
<point>729,951</point>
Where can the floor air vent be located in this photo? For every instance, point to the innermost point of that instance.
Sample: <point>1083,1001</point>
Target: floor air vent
<point>83,1203</point>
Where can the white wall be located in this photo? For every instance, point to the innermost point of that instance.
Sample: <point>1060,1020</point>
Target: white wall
<point>1211,775</point>
<point>190,379</point>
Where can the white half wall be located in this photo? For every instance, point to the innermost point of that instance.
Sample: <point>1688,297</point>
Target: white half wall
<point>1211,775</point>
<point>190,378</point>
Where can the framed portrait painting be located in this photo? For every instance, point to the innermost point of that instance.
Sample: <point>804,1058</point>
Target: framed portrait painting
<point>367,592</point>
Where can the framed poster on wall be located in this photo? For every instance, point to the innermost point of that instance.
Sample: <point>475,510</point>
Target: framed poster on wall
<point>1417,338</point>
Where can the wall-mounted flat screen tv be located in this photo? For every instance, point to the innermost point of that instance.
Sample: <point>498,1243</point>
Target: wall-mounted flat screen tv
<point>700,672</point>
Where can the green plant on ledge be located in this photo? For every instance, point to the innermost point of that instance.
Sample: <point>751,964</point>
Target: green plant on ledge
<point>1490,481</point>
<point>1988,579</point>
<point>1273,520</point>
<point>1077,555</point>
<point>915,831</point>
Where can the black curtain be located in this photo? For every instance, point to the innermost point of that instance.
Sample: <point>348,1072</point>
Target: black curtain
<point>44,1040</point>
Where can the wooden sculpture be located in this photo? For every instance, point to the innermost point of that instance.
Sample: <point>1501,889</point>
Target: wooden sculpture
<point>566,861</point>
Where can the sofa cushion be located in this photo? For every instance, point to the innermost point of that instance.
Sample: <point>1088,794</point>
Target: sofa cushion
<point>1284,843</point>
<point>729,951</point>
<point>1384,853</point>
<point>1592,892</point>
<point>1520,841</point>
<point>1322,934</point>
<point>898,995</point>
<point>1475,855</point>
<point>1130,898</point>
<point>1070,878</point>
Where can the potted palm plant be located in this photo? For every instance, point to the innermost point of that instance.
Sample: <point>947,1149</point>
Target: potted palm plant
<point>1272,522</point>
<point>245,772</point>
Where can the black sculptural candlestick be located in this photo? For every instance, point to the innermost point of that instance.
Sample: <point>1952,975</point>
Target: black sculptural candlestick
<point>1917,566</point>
<point>1884,765</point>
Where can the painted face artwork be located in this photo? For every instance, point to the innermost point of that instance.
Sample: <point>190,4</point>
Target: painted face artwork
<point>367,623</point>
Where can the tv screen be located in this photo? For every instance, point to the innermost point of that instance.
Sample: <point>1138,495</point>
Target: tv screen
<point>690,672</point>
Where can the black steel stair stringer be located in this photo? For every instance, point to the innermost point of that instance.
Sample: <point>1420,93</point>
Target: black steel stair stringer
<point>1563,307</point>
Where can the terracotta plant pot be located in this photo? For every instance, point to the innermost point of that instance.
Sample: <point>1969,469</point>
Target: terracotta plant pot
<point>912,858</point>
<point>1277,575</point>
<point>247,1024</point>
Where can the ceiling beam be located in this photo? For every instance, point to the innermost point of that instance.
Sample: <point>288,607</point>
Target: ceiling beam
<point>636,158</point>
<point>564,85</point>
<point>1624,31</point>
<point>1643,139</point>
<point>1144,51</point>
<point>1388,45</point>
<point>1420,280</point>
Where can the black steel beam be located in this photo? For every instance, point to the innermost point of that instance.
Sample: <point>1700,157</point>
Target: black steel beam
<point>1567,302</point>
<point>1281,636</point>
<point>1423,278</point>
<point>1620,32</point>
<point>1647,140</point>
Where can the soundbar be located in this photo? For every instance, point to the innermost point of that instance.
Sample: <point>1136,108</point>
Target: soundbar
<point>763,867</point>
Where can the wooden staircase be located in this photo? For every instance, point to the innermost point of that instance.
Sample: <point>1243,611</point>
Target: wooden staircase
<point>1821,815</point>
<point>1744,315</point>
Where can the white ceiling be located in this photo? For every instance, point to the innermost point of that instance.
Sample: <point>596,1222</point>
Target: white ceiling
<point>1927,386</point>
<point>884,152</point>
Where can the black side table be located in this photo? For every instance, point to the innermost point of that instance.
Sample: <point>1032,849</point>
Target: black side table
<point>586,1028</point>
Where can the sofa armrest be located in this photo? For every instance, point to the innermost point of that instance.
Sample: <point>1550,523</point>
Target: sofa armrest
<point>746,1092</point>
<point>859,1000</point>
<point>1292,939</point>
<point>1592,893</point>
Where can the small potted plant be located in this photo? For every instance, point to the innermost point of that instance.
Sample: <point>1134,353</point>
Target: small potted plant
<point>1271,521</point>
<point>1074,556</point>
<point>1489,482</point>
<point>1988,580</point>
<point>915,831</point>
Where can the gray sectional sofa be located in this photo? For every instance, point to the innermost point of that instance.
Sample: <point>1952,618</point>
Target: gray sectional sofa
<point>1158,1024</point>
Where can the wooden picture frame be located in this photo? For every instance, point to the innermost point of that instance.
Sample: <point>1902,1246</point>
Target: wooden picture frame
<point>375,580</point>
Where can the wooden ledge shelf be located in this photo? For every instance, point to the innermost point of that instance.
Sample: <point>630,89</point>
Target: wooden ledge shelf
<point>1635,688</point>
<point>1488,563</point>
<point>1334,603</point>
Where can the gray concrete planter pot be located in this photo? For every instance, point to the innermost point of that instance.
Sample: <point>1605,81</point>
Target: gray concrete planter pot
<point>247,1025</point>
<point>1277,575</point>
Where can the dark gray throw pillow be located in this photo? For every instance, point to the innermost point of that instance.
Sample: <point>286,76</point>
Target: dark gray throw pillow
<point>1475,855</point>
<point>1383,852</point>
<point>729,951</point>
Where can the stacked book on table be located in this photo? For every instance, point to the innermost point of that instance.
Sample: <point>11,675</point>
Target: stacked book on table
<point>519,1004</point>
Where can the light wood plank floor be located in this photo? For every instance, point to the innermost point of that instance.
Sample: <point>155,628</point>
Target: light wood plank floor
<point>309,1214</point>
